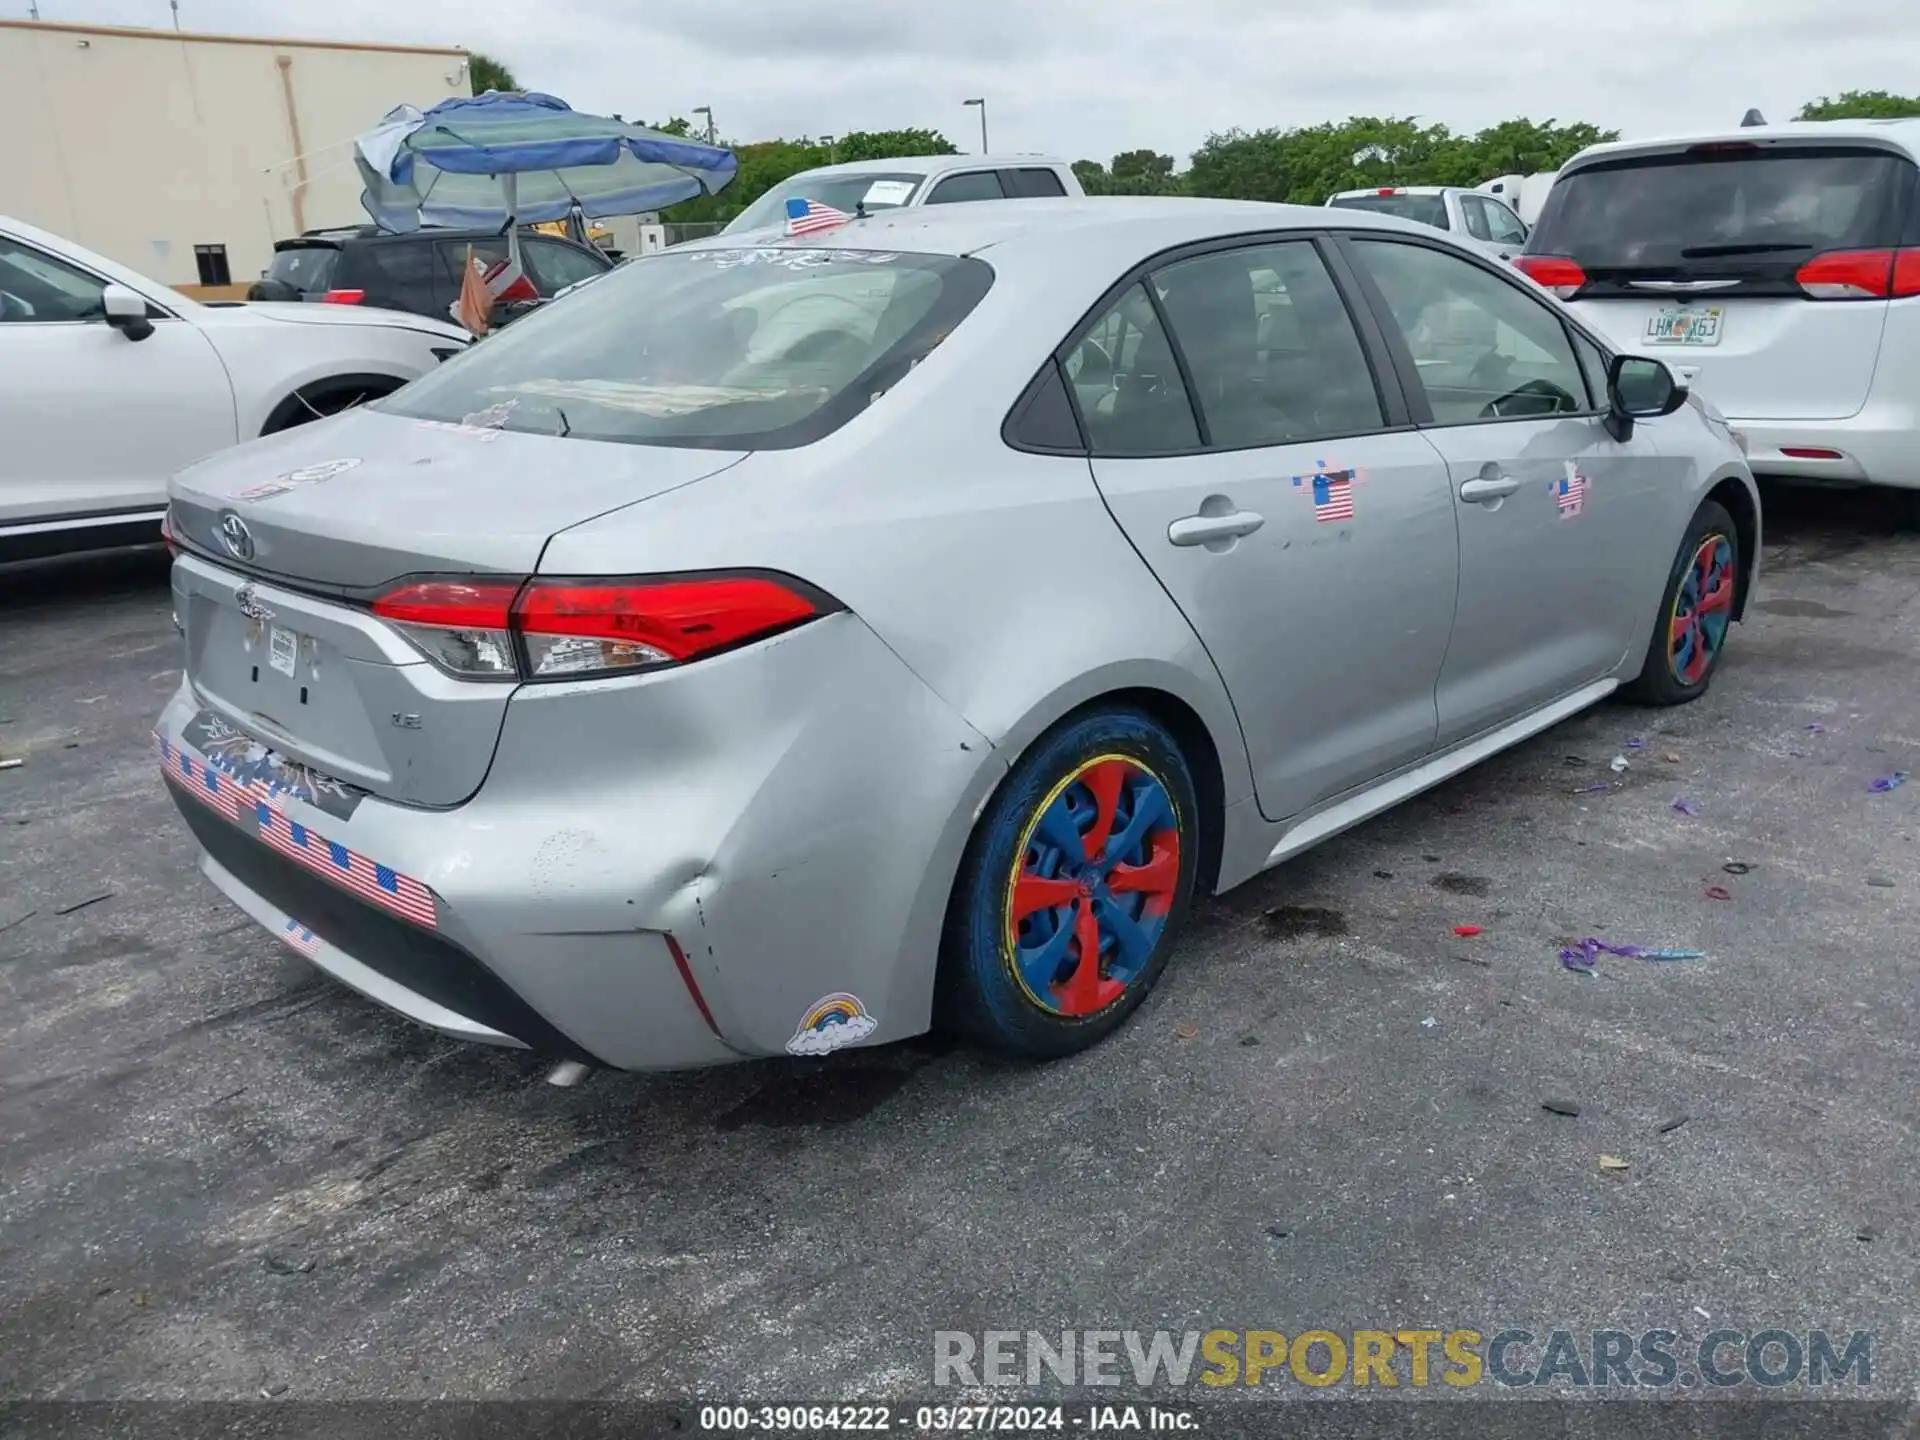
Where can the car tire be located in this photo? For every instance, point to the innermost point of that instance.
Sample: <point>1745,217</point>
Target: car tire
<point>1687,641</point>
<point>1011,978</point>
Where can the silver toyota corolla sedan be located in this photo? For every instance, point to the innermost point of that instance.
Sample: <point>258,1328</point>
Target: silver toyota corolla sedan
<point>784,646</point>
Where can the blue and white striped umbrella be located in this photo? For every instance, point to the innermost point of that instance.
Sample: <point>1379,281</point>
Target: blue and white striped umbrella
<point>503,158</point>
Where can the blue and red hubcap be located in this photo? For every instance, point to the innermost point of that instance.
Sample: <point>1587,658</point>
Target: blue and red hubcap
<point>1701,610</point>
<point>1092,885</point>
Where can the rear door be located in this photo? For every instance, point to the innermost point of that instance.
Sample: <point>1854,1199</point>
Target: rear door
<point>1698,255</point>
<point>1266,474</point>
<point>1551,508</point>
<point>1031,182</point>
<point>967,185</point>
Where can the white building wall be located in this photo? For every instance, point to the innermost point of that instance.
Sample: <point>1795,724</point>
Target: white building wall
<point>141,144</point>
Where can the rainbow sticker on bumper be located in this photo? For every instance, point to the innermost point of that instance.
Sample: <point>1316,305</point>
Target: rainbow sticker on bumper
<point>831,1022</point>
<point>249,804</point>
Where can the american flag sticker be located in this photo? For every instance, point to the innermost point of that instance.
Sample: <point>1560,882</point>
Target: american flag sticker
<point>300,938</point>
<point>1570,492</point>
<point>249,805</point>
<point>1332,493</point>
<point>809,217</point>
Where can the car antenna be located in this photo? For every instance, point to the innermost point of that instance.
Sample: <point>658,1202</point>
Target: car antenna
<point>566,425</point>
<point>1751,119</point>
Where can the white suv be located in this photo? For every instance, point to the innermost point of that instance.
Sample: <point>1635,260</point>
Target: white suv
<point>1775,267</point>
<point>1477,219</point>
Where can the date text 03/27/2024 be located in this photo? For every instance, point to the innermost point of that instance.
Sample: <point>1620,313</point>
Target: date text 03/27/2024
<point>1009,1419</point>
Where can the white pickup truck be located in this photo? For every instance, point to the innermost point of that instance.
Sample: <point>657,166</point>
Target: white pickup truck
<point>1469,215</point>
<point>912,180</point>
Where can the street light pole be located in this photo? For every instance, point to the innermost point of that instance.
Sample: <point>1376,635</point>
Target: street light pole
<point>981,102</point>
<point>706,110</point>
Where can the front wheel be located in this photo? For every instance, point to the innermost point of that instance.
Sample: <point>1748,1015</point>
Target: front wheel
<point>1695,612</point>
<point>1076,880</point>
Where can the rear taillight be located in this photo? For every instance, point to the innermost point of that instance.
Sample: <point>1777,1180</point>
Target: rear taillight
<point>343,297</point>
<point>1552,272</point>
<point>460,625</point>
<point>578,629</point>
<point>1386,190</point>
<point>1861,275</point>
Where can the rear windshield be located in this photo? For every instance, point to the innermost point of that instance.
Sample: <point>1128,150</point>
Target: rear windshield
<point>1733,211</point>
<point>836,192</point>
<point>764,348</point>
<point>1427,209</point>
<point>306,268</point>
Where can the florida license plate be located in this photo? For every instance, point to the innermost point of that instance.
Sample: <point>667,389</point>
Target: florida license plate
<point>1685,325</point>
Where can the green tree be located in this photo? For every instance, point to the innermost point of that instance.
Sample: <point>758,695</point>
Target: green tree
<point>486,73</point>
<point>885,144</point>
<point>1093,177</point>
<point>1862,105</point>
<point>1142,172</point>
<point>678,125</point>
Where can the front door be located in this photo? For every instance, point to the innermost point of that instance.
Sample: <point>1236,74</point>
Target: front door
<point>1550,506</point>
<point>1311,547</point>
<point>94,422</point>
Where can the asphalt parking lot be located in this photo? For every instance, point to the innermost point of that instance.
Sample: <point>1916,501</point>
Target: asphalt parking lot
<point>222,1174</point>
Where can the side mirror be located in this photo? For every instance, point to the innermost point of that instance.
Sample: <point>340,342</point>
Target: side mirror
<point>126,312</point>
<point>1639,389</point>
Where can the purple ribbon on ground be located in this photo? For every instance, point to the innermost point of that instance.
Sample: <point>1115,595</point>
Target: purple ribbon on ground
<point>1889,782</point>
<point>1686,807</point>
<point>1582,955</point>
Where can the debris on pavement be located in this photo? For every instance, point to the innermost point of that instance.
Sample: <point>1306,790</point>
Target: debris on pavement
<point>1574,760</point>
<point>1466,931</point>
<point>1685,806</point>
<point>1816,729</point>
<point>1867,1234</point>
<point>1560,1107</point>
<point>1249,1041</point>
<point>1186,1031</point>
<point>275,1390</point>
<point>1671,758</point>
<point>1667,1127</point>
<point>1880,882</point>
<point>11,764</point>
<point>1619,765</point>
<point>1599,789</point>
<point>1582,955</point>
<point>1737,867</point>
<point>20,919</point>
<point>287,1265</point>
<point>1636,743</point>
<point>1889,782</point>
<point>1428,1023</point>
<point>1719,892</point>
<point>1383,874</point>
<point>1612,1162</point>
<point>1701,1313</point>
<point>69,908</point>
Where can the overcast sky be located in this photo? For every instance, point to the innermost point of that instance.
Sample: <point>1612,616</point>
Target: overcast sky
<point>1087,78</point>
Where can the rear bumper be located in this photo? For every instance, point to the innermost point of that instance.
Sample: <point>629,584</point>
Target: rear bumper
<point>659,873</point>
<point>1879,446</point>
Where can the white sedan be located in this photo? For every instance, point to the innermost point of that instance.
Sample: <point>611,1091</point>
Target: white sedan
<point>110,382</point>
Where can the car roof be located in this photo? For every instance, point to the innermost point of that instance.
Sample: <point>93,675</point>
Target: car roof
<point>1041,224</point>
<point>929,165</point>
<point>1903,135</point>
<point>1394,190</point>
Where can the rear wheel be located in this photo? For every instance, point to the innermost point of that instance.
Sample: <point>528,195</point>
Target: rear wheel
<point>1076,880</point>
<point>1695,612</point>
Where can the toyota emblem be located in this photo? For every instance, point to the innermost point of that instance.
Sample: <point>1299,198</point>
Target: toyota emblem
<point>236,537</point>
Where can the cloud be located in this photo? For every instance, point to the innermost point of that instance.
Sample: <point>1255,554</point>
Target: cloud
<point>1089,78</point>
<point>834,1035</point>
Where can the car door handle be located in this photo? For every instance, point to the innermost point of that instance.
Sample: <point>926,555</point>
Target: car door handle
<point>1488,489</point>
<point>1199,529</point>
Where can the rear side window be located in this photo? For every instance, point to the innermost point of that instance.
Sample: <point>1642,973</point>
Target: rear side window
<point>1475,213</point>
<point>555,266</point>
<point>1426,209</point>
<point>306,268</point>
<point>1127,384</point>
<point>766,348</point>
<point>1728,211</point>
<point>397,273</point>
<point>957,189</point>
<point>1269,345</point>
<point>1031,183</point>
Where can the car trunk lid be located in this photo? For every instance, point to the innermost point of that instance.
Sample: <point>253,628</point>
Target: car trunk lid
<point>1695,254</point>
<point>289,540</point>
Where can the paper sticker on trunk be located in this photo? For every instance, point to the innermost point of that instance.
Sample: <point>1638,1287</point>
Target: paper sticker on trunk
<point>833,1021</point>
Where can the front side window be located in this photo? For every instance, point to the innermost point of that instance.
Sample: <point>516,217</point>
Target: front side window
<point>1474,210</point>
<point>1270,347</point>
<point>1127,384</point>
<point>957,189</point>
<point>35,287</point>
<point>1504,224</point>
<point>749,348</point>
<point>1485,350</point>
